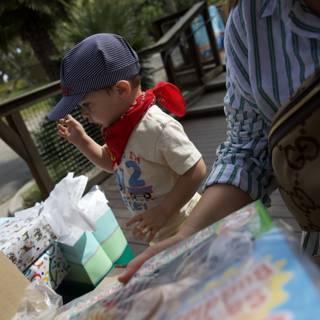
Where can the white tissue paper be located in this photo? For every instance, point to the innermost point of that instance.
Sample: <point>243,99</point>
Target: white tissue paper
<point>68,213</point>
<point>30,212</point>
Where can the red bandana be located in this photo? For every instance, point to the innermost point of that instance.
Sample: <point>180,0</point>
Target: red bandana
<point>117,135</point>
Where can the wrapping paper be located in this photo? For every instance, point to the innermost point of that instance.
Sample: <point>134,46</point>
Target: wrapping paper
<point>243,267</point>
<point>51,268</point>
<point>24,240</point>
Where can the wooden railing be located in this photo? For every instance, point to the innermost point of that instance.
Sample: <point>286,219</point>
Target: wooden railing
<point>14,130</point>
<point>180,32</point>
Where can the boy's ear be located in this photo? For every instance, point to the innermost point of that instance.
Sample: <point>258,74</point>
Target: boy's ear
<point>123,88</point>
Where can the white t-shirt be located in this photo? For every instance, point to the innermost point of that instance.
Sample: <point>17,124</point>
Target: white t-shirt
<point>157,153</point>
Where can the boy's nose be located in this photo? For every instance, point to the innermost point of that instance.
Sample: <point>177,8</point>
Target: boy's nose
<point>84,112</point>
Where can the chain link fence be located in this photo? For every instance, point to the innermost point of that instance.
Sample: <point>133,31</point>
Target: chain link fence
<point>58,155</point>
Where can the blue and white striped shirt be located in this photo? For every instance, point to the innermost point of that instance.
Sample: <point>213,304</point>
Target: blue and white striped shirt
<point>271,46</point>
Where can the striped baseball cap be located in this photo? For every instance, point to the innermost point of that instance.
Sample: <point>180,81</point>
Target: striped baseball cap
<point>97,62</point>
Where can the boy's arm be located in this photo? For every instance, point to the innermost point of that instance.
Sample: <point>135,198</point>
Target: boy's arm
<point>98,155</point>
<point>185,187</point>
<point>151,221</point>
<point>72,130</point>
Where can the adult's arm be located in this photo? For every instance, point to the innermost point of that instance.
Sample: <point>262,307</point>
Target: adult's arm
<point>217,202</point>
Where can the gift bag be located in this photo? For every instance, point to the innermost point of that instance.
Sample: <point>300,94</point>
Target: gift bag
<point>95,253</point>
<point>3,220</point>
<point>112,239</point>
<point>87,260</point>
<point>89,236</point>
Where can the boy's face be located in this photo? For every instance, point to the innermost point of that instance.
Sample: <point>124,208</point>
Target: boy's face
<point>104,106</point>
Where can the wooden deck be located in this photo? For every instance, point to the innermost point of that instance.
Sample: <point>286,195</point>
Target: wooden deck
<point>206,133</point>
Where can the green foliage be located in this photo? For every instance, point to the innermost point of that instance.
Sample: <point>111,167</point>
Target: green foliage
<point>128,18</point>
<point>34,22</point>
<point>16,16</point>
<point>183,4</point>
<point>21,75</point>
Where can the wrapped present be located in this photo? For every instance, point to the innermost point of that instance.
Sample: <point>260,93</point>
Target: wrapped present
<point>23,240</point>
<point>3,220</point>
<point>252,219</point>
<point>51,267</point>
<point>243,267</point>
<point>261,280</point>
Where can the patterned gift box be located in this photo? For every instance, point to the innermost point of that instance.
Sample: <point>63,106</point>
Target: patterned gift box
<point>24,240</point>
<point>51,267</point>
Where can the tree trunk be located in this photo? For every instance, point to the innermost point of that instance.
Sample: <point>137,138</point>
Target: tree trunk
<point>44,48</point>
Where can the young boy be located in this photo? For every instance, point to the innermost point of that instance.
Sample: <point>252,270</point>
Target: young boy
<point>158,169</point>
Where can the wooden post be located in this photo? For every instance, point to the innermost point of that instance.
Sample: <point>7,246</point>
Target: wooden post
<point>157,30</point>
<point>33,159</point>
<point>12,139</point>
<point>195,55</point>
<point>211,36</point>
<point>170,70</point>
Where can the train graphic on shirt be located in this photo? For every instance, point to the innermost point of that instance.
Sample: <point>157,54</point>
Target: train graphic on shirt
<point>135,193</point>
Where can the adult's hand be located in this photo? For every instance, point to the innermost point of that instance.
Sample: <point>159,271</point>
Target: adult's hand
<point>136,263</point>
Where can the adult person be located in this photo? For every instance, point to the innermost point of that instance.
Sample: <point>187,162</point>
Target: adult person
<point>271,47</point>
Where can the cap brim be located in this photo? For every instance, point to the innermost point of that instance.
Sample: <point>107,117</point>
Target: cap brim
<point>65,106</point>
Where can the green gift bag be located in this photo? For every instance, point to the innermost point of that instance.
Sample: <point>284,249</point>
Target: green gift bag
<point>95,253</point>
<point>112,239</point>
<point>88,261</point>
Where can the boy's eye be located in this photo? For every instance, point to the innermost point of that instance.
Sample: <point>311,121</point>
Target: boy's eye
<point>85,106</point>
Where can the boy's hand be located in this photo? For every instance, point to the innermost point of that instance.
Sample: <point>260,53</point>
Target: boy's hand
<point>148,223</point>
<point>71,129</point>
<point>138,261</point>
